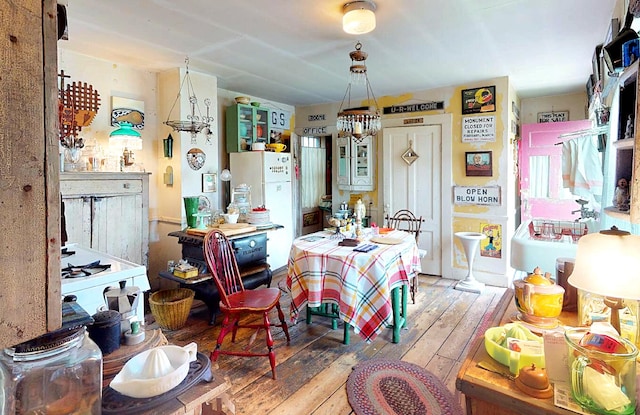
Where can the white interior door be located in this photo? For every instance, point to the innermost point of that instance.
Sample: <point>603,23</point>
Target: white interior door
<point>416,186</point>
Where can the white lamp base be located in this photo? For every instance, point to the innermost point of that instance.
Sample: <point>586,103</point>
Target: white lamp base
<point>473,286</point>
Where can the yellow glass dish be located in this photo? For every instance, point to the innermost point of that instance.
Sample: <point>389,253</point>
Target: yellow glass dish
<point>512,359</point>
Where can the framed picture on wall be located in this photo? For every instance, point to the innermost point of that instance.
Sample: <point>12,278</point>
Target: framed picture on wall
<point>209,182</point>
<point>478,100</point>
<point>478,163</point>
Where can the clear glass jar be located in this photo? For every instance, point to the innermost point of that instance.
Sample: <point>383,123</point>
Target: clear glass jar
<point>592,309</point>
<point>241,198</point>
<point>58,373</point>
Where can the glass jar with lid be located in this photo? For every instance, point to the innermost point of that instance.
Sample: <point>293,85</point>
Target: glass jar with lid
<point>59,372</point>
<point>241,197</point>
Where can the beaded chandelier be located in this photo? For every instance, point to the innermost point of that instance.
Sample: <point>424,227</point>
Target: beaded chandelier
<point>363,121</point>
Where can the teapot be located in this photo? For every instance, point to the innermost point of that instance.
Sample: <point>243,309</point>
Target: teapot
<point>538,299</point>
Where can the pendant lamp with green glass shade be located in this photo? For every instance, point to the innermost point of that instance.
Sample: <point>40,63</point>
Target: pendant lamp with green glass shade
<point>127,136</point>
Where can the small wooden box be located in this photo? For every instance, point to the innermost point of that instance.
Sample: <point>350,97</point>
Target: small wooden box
<point>190,273</point>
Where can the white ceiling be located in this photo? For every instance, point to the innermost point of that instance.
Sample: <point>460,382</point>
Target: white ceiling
<point>295,52</point>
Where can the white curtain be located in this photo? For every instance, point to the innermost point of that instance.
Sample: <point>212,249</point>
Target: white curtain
<point>313,175</point>
<point>539,177</point>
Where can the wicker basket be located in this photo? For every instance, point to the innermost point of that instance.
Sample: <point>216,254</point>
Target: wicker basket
<point>171,307</point>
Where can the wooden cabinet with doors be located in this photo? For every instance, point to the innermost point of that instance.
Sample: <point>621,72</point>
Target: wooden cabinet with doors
<point>355,164</point>
<point>245,125</point>
<point>626,141</point>
<point>108,212</point>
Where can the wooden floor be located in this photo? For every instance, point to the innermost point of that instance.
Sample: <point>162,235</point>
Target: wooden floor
<point>313,369</point>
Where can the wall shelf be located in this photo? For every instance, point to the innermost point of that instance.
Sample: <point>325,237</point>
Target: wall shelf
<point>626,141</point>
<point>616,214</point>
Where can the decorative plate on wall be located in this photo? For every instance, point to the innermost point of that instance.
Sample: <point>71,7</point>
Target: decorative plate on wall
<point>196,158</point>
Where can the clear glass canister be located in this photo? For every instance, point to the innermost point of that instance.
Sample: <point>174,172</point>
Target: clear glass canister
<point>59,373</point>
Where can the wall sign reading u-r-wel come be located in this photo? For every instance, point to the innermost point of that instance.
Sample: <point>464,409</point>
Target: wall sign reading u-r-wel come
<point>479,128</point>
<point>476,195</point>
<point>423,106</point>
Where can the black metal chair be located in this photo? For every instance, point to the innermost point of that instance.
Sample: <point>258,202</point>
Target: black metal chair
<point>405,220</point>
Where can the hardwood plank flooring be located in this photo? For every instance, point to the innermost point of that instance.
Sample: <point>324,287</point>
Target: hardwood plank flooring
<point>313,369</point>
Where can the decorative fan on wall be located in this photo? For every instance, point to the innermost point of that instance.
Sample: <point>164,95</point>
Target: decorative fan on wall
<point>78,105</point>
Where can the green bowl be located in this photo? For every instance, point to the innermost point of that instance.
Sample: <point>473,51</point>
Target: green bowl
<point>255,104</point>
<point>514,360</point>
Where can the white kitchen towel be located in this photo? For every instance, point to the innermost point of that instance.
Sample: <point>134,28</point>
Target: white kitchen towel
<point>582,167</point>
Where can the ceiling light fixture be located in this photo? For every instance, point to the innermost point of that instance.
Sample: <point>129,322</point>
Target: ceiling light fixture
<point>195,123</point>
<point>363,121</point>
<point>359,17</point>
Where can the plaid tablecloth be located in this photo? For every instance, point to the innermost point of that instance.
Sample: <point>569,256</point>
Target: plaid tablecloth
<point>321,271</point>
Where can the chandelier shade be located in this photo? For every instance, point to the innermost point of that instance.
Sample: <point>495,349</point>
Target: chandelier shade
<point>359,17</point>
<point>364,121</point>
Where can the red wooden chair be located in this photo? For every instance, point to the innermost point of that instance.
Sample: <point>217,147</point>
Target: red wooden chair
<point>236,302</point>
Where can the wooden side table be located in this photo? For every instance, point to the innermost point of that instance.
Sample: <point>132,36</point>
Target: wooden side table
<point>490,393</point>
<point>203,398</point>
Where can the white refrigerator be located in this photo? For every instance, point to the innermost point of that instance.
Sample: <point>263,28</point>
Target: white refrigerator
<point>269,175</point>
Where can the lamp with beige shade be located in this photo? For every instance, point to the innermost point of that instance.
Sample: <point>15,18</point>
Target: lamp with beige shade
<point>608,264</point>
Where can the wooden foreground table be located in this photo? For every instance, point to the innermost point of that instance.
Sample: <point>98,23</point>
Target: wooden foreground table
<point>204,398</point>
<point>490,393</point>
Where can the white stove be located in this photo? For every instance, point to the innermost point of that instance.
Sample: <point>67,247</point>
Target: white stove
<point>89,290</point>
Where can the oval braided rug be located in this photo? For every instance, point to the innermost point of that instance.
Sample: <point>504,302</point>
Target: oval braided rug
<point>386,387</point>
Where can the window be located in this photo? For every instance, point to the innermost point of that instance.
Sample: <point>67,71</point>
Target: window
<point>313,170</point>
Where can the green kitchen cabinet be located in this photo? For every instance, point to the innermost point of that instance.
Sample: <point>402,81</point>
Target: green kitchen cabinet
<point>246,124</point>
